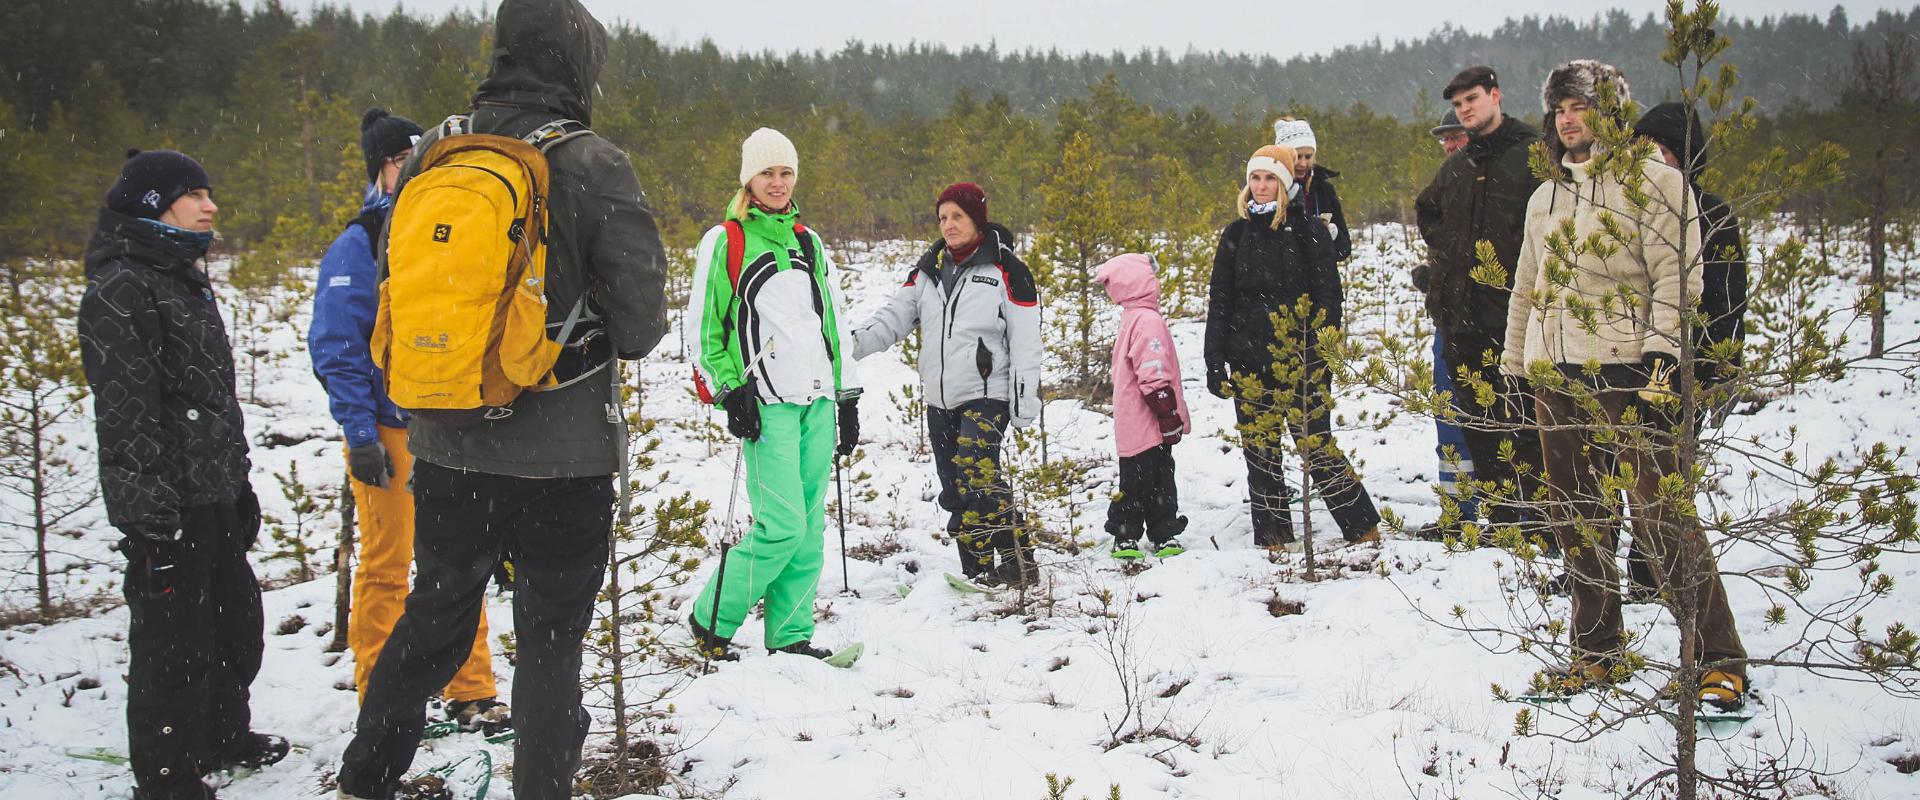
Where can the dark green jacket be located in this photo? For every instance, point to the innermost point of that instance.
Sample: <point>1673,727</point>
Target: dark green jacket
<point>1480,193</point>
<point>601,239</point>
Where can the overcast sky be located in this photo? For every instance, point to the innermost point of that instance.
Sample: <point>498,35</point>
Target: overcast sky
<point>1083,25</point>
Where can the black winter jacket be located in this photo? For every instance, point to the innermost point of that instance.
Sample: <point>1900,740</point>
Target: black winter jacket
<point>1319,197</point>
<point>602,239</point>
<point>157,358</point>
<point>1258,271</point>
<point>1480,193</point>
<point>1723,292</point>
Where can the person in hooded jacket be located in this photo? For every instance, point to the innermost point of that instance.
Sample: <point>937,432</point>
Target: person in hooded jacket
<point>1613,402</point>
<point>378,461</point>
<point>1266,261</point>
<point>173,473</point>
<point>772,350</point>
<point>1313,182</point>
<point>1149,412</point>
<point>978,312</point>
<point>1480,194</point>
<point>547,468</point>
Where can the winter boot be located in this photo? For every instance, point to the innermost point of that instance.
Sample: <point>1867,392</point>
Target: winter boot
<point>1577,677</point>
<point>976,551</point>
<point>804,647</point>
<point>486,715</point>
<point>1126,540</point>
<point>251,751</point>
<point>709,645</point>
<point>1166,537</point>
<point>1724,691</point>
<point>1272,531</point>
<point>1369,536</point>
<point>1016,569</point>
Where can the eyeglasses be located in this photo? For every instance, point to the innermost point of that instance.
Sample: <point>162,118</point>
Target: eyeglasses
<point>400,158</point>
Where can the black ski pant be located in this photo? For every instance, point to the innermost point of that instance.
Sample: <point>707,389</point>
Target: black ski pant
<point>966,454</point>
<point>1149,501</point>
<point>194,648</point>
<point>1509,420</point>
<point>558,530</point>
<point>1327,466</point>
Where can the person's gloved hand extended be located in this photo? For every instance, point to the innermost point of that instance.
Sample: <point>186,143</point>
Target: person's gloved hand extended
<point>1166,409</point>
<point>849,427</point>
<point>743,412</point>
<point>1219,381</point>
<point>370,464</point>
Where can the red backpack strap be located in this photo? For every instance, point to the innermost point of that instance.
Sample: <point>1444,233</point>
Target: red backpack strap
<point>736,251</point>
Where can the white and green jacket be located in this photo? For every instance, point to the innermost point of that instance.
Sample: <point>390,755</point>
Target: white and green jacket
<point>779,317</point>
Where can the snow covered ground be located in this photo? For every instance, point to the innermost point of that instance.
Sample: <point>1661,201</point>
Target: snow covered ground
<point>1359,695</point>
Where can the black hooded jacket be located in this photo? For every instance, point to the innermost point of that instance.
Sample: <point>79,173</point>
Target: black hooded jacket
<point>1723,292</point>
<point>1479,194</point>
<point>1257,271</point>
<point>1319,197</point>
<point>602,239</point>
<point>157,358</point>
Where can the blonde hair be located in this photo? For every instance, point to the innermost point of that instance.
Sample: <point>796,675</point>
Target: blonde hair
<point>737,209</point>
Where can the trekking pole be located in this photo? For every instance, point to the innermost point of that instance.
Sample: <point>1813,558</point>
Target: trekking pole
<point>840,500</point>
<point>726,544</point>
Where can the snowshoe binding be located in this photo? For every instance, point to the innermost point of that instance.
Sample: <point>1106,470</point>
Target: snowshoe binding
<point>486,716</point>
<point>251,752</point>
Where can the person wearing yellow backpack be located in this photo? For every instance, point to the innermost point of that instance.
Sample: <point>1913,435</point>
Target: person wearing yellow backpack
<point>378,461</point>
<point>533,477</point>
<point>772,350</point>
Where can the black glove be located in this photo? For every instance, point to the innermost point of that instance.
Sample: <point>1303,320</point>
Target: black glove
<point>1422,276</point>
<point>370,464</point>
<point>247,505</point>
<point>1166,409</point>
<point>151,532</point>
<point>849,426</point>
<point>1219,381</point>
<point>1659,386</point>
<point>743,412</point>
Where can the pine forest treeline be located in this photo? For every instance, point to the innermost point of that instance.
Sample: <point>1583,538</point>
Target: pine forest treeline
<point>269,98</point>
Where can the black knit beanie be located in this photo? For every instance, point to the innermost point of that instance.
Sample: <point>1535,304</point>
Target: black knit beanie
<point>383,136</point>
<point>151,180</point>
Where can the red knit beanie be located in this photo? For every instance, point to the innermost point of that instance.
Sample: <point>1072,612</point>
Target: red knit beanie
<point>970,198</point>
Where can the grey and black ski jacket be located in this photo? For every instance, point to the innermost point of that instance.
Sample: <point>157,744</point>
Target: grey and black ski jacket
<point>979,336</point>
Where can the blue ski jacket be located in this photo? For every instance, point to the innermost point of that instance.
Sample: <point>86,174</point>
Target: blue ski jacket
<point>344,303</point>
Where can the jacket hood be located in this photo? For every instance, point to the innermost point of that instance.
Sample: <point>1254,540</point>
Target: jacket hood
<point>1129,280</point>
<point>1320,173</point>
<point>1668,124</point>
<point>120,236</point>
<point>994,241</point>
<point>547,54</point>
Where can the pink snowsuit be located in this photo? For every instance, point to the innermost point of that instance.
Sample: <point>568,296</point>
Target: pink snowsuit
<point>1143,357</point>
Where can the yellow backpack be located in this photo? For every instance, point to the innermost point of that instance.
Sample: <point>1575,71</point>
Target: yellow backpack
<point>462,327</point>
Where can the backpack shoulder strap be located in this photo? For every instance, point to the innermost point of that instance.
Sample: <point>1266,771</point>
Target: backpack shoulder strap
<point>805,238</point>
<point>736,251</point>
<point>555,133</point>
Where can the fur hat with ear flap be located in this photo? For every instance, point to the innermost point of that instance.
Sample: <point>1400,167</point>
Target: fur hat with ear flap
<point>1579,79</point>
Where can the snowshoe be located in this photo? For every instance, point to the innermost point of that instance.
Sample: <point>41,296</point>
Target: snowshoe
<point>486,715</point>
<point>709,645</point>
<point>1127,551</point>
<point>1169,549</point>
<point>251,752</point>
<point>965,586</point>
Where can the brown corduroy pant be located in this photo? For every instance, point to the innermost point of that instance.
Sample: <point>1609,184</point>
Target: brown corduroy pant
<point>1577,456</point>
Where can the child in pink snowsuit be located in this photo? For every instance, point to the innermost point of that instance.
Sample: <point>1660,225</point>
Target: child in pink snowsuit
<point>1149,411</point>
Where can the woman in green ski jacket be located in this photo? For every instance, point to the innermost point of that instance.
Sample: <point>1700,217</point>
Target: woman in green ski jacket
<point>771,350</point>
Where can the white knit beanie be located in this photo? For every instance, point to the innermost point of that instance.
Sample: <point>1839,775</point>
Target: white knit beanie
<point>1294,133</point>
<point>766,148</point>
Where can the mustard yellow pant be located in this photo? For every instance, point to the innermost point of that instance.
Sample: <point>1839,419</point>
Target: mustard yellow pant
<point>380,579</point>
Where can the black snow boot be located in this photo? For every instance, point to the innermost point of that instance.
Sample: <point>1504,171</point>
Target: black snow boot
<point>1272,530</point>
<point>486,715</point>
<point>1017,569</point>
<point>804,647</point>
<point>976,551</point>
<point>711,646</point>
<point>252,751</point>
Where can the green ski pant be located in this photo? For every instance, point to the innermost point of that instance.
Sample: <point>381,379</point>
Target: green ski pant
<point>779,560</point>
